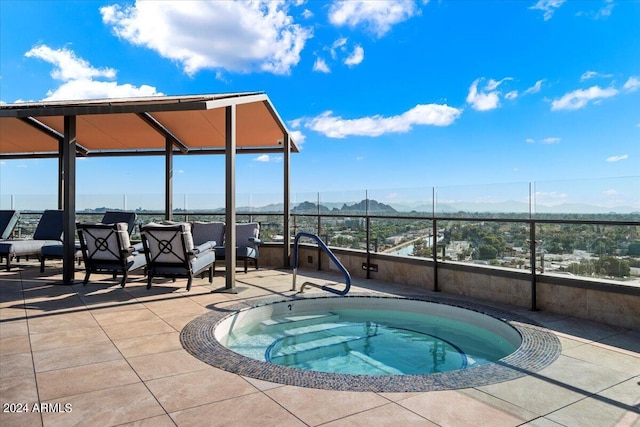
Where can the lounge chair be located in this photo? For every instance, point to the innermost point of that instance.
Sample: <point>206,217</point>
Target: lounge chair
<point>107,248</point>
<point>170,252</point>
<point>54,251</point>
<point>48,232</point>
<point>247,243</point>
<point>8,220</point>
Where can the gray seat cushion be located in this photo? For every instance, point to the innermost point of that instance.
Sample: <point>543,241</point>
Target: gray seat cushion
<point>17,248</point>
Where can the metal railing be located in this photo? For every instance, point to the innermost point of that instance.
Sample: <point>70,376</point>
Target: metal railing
<point>332,257</point>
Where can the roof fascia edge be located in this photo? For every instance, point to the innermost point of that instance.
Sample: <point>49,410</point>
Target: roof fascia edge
<point>227,102</point>
<point>102,109</point>
<point>281,124</point>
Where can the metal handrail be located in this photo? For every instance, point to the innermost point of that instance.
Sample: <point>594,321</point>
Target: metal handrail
<point>330,254</point>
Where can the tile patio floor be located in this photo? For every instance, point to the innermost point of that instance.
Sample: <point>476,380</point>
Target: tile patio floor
<point>115,357</point>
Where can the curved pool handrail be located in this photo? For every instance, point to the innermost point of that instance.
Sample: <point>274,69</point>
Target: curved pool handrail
<point>331,256</point>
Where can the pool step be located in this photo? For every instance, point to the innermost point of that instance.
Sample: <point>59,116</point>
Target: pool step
<point>376,364</point>
<point>307,350</point>
<point>297,321</point>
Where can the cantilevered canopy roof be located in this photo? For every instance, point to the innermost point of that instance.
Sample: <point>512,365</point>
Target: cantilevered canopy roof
<point>142,126</point>
<point>226,124</point>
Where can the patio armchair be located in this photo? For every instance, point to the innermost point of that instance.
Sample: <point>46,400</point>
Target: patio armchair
<point>211,233</point>
<point>8,220</point>
<point>54,251</point>
<point>247,243</point>
<point>171,252</point>
<point>106,248</point>
<point>48,232</point>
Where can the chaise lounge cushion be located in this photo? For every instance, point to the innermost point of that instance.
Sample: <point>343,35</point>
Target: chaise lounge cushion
<point>48,232</point>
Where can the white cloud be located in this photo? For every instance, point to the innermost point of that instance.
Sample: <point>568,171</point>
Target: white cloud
<point>298,137</point>
<point>79,77</point>
<point>617,158</point>
<point>632,84</point>
<point>262,158</point>
<point>487,98</point>
<point>339,44</point>
<point>91,89</point>
<point>603,12</point>
<point>581,97</point>
<point>339,50</point>
<point>235,36</point>
<point>376,16</point>
<point>551,140</point>
<point>295,123</point>
<point>511,95</point>
<point>535,88</point>
<point>307,14</point>
<point>321,65</point>
<point>548,140</point>
<point>493,84</point>
<point>548,7</point>
<point>337,127</point>
<point>594,74</point>
<point>67,66</point>
<point>356,56</point>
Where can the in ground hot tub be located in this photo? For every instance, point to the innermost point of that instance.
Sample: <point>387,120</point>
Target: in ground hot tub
<point>370,343</point>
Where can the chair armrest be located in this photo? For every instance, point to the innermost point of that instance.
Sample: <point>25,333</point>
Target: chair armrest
<point>204,247</point>
<point>255,240</point>
<point>128,251</point>
<point>138,247</point>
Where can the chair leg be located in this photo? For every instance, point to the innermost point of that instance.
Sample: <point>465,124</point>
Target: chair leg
<point>149,277</point>
<point>86,278</point>
<point>41,264</point>
<point>255,261</point>
<point>189,283</point>
<point>124,279</point>
<point>211,274</point>
<point>246,261</point>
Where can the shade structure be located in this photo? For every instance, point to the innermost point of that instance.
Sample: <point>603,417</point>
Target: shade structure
<point>226,124</point>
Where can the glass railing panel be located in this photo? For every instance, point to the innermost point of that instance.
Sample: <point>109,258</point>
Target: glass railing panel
<point>304,203</point>
<point>26,225</point>
<point>491,243</point>
<point>199,202</point>
<point>401,202</point>
<point>103,202</point>
<point>29,202</point>
<point>304,223</point>
<point>510,200</point>
<point>343,203</point>
<point>344,232</point>
<point>590,250</point>
<point>610,198</point>
<point>414,238</point>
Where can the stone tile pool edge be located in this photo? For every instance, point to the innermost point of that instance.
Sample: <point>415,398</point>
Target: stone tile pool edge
<point>539,349</point>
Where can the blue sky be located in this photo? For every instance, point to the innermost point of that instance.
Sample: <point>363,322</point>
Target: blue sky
<point>378,94</point>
